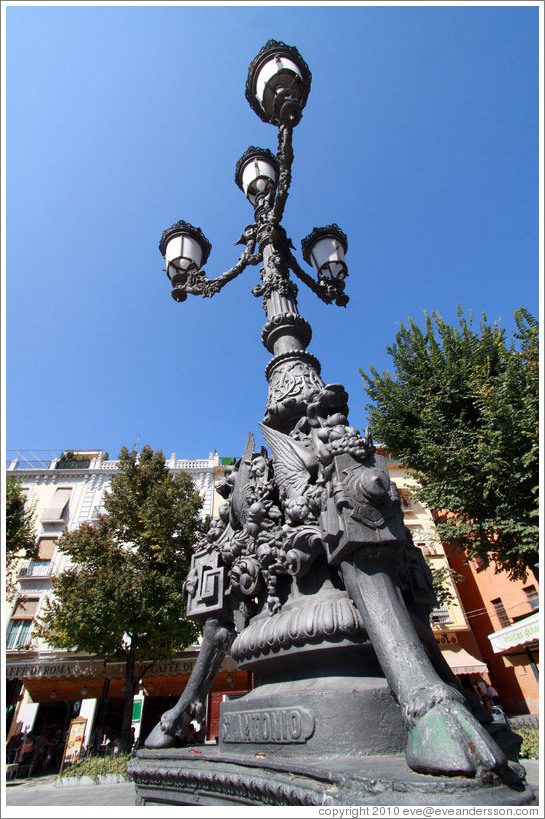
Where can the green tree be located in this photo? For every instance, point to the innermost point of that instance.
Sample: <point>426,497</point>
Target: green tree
<point>20,532</point>
<point>123,597</point>
<point>461,410</point>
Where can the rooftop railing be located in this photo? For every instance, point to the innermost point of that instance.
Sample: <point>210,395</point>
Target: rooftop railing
<point>17,461</point>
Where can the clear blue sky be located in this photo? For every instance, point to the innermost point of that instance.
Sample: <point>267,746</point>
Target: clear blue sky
<point>420,139</point>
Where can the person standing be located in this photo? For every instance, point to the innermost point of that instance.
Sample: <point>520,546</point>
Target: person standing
<point>492,694</point>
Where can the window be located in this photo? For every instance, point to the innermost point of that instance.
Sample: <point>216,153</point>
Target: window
<point>501,613</point>
<point>46,548</point>
<point>18,633</point>
<point>41,567</point>
<point>21,622</point>
<point>59,506</point>
<point>440,615</point>
<point>532,596</point>
<point>26,608</point>
<point>405,499</point>
<point>420,535</point>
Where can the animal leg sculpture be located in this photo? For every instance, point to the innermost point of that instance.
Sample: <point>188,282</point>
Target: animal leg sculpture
<point>217,637</point>
<point>443,737</point>
<point>445,672</point>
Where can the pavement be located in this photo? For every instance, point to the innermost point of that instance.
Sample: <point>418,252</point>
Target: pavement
<point>42,791</point>
<point>45,791</point>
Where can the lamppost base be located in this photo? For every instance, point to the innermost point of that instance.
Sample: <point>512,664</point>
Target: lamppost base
<point>204,775</point>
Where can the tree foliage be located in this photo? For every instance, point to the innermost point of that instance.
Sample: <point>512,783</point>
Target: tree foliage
<point>461,410</point>
<point>20,531</point>
<point>122,597</point>
<point>444,580</point>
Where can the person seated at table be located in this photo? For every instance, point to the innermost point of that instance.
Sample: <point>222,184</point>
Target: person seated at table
<point>114,745</point>
<point>13,747</point>
<point>41,749</point>
<point>26,752</point>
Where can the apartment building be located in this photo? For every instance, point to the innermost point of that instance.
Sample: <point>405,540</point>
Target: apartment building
<point>450,625</point>
<point>504,617</point>
<point>47,686</point>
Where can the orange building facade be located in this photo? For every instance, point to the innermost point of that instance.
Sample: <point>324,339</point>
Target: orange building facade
<point>504,618</point>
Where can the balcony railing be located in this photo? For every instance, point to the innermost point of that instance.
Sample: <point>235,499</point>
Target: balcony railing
<point>22,463</point>
<point>440,615</point>
<point>76,464</point>
<point>185,464</point>
<point>38,569</point>
<point>430,549</point>
<point>97,510</point>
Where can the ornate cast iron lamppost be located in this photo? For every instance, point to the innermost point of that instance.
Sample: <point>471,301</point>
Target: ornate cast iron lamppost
<point>277,89</point>
<point>308,577</point>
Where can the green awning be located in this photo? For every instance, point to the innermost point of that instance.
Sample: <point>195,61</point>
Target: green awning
<point>518,634</point>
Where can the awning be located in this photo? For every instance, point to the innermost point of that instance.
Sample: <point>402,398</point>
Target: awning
<point>521,632</point>
<point>462,662</point>
<point>60,669</point>
<point>40,668</point>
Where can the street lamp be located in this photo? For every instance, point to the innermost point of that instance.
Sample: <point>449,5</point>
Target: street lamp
<point>277,88</point>
<point>185,249</point>
<point>308,566</point>
<point>324,249</point>
<point>278,84</point>
<point>256,173</point>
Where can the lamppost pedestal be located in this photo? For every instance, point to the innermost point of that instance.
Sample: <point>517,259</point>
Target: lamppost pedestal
<point>214,777</point>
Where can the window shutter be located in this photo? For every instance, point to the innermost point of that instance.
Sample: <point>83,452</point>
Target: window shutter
<point>62,496</point>
<point>26,609</point>
<point>46,548</point>
<point>56,510</point>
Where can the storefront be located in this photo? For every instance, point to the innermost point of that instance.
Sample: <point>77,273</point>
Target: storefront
<point>459,650</point>
<point>49,694</point>
<point>518,645</point>
<point>522,634</point>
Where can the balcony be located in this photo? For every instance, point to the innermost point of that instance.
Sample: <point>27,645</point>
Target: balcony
<point>97,510</point>
<point>40,568</point>
<point>440,616</point>
<point>431,549</point>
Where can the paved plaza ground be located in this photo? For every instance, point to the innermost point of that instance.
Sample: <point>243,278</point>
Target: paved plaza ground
<point>42,791</point>
<point>47,795</point>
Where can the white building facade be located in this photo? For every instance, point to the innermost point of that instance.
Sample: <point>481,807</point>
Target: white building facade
<point>47,687</point>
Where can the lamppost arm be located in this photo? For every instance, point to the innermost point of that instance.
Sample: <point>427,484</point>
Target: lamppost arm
<point>198,284</point>
<point>328,293</point>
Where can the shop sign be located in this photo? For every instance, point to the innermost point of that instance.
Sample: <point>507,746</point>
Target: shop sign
<point>446,639</point>
<point>46,669</point>
<point>74,740</point>
<point>525,631</point>
<point>137,711</point>
<point>173,667</point>
<point>59,669</point>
